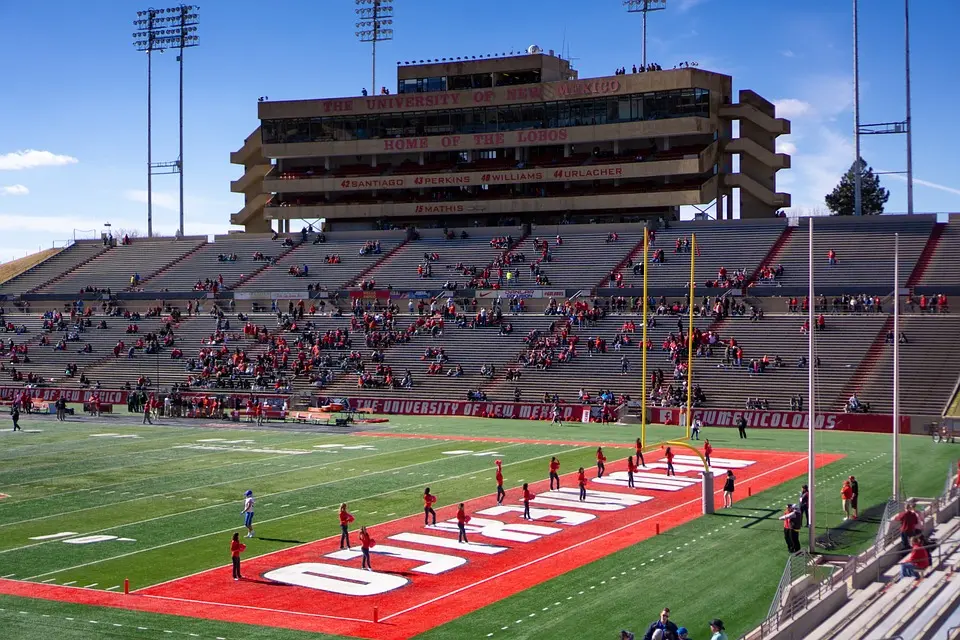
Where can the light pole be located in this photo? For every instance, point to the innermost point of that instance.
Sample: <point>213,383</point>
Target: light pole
<point>643,7</point>
<point>374,18</point>
<point>158,30</point>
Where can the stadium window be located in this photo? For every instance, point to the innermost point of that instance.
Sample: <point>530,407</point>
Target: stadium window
<point>636,108</point>
<point>623,109</point>
<point>551,111</point>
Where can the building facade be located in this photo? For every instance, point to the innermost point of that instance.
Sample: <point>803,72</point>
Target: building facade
<point>518,139</point>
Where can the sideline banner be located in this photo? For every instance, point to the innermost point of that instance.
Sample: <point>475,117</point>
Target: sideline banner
<point>871,422</point>
<point>414,407</point>
<point>50,394</point>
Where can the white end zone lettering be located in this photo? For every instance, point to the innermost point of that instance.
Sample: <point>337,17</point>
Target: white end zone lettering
<point>448,543</point>
<point>721,463</point>
<point>497,530</point>
<point>596,500</point>
<point>569,518</point>
<point>433,563</point>
<point>651,481</point>
<point>346,581</point>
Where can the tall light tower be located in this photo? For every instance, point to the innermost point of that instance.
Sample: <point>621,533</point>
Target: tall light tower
<point>643,7</point>
<point>159,30</point>
<point>904,126</point>
<point>374,18</point>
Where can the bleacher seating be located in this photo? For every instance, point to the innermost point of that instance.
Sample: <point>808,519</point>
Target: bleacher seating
<point>944,268</point>
<point>333,276</point>
<point>736,246</point>
<point>112,269</point>
<point>864,251</point>
<point>63,262</point>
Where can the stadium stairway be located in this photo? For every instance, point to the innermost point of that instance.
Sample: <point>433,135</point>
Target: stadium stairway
<point>385,258</point>
<point>54,268</point>
<point>864,252</point>
<point>736,246</point>
<point>584,258</point>
<point>944,268</point>
<point>635,254</point>
<point>929,251</point>
<point>773,256</point>
<point>244,278</point>
<point>866,365</point>
<point>147,283</point>
<point>112,269</point>
<point>276,277</point>
<point>929,366</point>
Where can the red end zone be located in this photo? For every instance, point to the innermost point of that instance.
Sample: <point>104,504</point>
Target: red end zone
<point>424,577</point>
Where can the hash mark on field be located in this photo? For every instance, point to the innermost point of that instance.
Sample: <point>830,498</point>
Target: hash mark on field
<point>303,506</point>
<point>106,493</point>
<point>373,512</point>
<point>67,584</point>
<point>91,585</point>
<point>47,580</point>
<point>9,575</point>
<point>391,514</point>
<point>116,586</point>
<point>284,505</point>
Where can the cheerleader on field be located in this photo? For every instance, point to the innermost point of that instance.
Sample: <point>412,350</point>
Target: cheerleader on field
<point>428,501</point>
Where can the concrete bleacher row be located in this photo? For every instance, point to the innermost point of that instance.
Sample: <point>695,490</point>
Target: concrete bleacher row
<point>891,607</point>
<point>585,260</point>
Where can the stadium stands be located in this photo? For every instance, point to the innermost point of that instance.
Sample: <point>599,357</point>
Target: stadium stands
<point>70,258</point>
<point>944,268</point>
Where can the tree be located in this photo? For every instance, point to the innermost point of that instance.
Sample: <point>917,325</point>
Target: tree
<point>872,195</point>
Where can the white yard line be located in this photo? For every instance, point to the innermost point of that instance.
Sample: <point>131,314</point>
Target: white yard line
<point>576,545</point>
<point>260,522</point>
<point>204,486</point>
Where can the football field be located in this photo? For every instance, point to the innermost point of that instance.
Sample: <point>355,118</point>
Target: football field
<point>90,505</point>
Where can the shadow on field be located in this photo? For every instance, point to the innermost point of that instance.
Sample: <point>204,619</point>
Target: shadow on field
<point>282,540</point>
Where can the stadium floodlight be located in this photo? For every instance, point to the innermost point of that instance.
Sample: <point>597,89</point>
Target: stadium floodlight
<point>643,7</point>
<point>374,20</point>
<point>159,30</point>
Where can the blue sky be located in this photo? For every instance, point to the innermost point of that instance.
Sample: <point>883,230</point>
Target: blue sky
<point>75,90</point>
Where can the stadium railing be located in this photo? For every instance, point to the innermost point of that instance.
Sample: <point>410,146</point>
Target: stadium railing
<point>821,582</point>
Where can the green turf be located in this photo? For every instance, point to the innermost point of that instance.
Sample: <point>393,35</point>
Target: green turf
<point>180,505</point>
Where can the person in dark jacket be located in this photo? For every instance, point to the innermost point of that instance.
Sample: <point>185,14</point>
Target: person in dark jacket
<point>667,628</point>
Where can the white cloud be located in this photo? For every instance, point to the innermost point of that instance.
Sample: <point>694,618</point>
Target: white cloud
<point>792,108</point>
<point>161,200</point>
<point>14,190</point>
<point>786,53</point>
<point>926,183</point>
<point>686,5</point>
<point>785,146</point>
<point>62,226</point>
<point>31,159</point>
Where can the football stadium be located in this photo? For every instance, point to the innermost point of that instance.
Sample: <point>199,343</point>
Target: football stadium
<point>420,390</point>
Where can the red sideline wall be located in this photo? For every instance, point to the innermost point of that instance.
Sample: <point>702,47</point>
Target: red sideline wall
<point>417,407</point>
<point>870,422</point>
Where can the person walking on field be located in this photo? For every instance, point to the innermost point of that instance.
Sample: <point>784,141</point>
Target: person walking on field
<point>639,448</point>
<point>428,501</point>
<point>527,497</point>
<point>600,460</point>
<point>345,519</point>
<point>669,457</point>
<point>742,427</point>
<point>855,486</point>
<point>728,486</point>
<point>236,548</point>
<point>366,543</point>
<point>631,468</point>
<point>554,472</point>
<point>556,415</point>
<point>247,512</point>
<point>804,504</point>
<point>462,520</point>
<point>582,483</point>
<point>707,450</point>
<point>15,416</point>
<point>695,429</point>
<point>846,497</point>
<point>500,492</point>
<point>146,413</point>
<point>790,535</point>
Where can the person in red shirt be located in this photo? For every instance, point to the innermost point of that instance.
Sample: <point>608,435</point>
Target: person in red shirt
<point>527,497</point>
<point>909,521</point>
<point>500,492</point>
<point>669,456</point>
<point>345,520</point>
<point>631,467</point>
<point>236,548</point>
<point>958,473</point>
<point>707,450</point>
<point>582,482</point>
<point>366,543</point>
<point>916,561</point>
<point>462,520</point>
<point>428,501</point>
<point>846,496</point>
<point>639,449</point>
<point>554,469</point>
<point>600,460</point>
